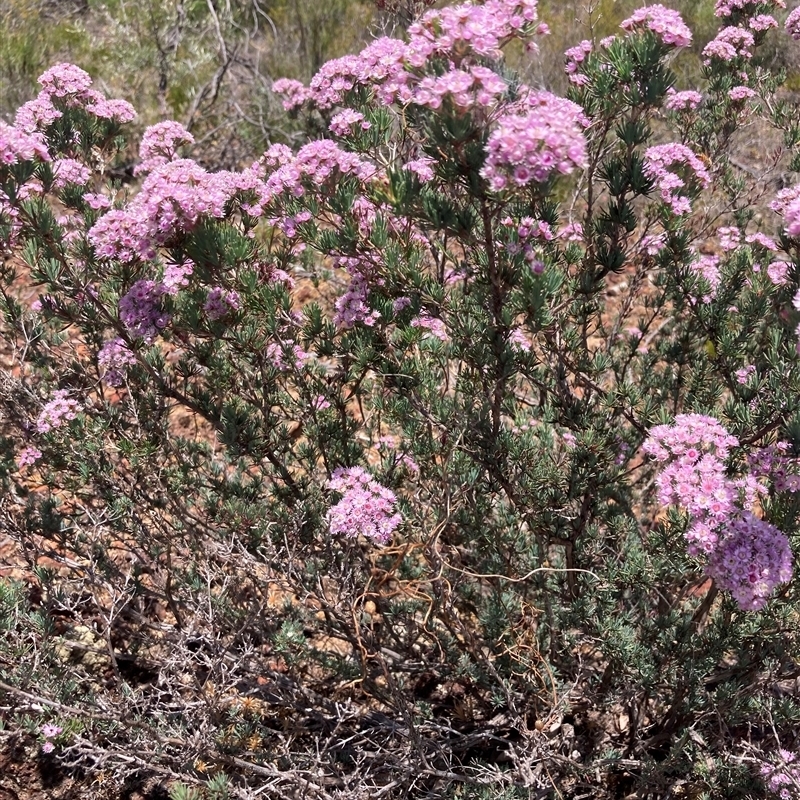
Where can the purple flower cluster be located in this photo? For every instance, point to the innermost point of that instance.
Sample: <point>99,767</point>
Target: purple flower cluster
<point>532,145</point>
<point>774,463</point>
<point>747,556</point>
<point>140,310</point>
<point>220,303</point>
<point>61,408</point>
<point>115,357</point>
<point>753,558</point>
<point>793,24</point>
<point>792,217</point>
<point>783,776</point>
<point>730,43</point>
<point>659,162</point>
<point>366,508</point>
<point>352,306</point>
<point>666,23</point>
<point>739,93</point>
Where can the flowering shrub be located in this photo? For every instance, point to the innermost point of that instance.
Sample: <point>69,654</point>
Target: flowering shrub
<point>337,471</point>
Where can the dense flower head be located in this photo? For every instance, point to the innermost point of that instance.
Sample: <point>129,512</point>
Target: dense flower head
<point>343,122</point>
<point>18,145</point>
<point>730,43</point>
<point>28,456</point>
<point>173,198</point>
<point>739,93</point>
<point>286,355</point>
<point>682,101</point>
<point>68,170</point>
<point>762,22</point>
<point>65,79</point>
<point>792,218</point>
<point>782,777</point>
<point>422,168</point>
<point>666,23</point>
<point>793,24</point>
<point>659,164</point>
<point>727,8</point>
<point>751,559</point>
<point>532,146</point>
<point>689,436</point>
<point>294,92</point>
<point>480,29</point>
<point>434,325</point>
<point>140,310</point>
<point>366,508</point>
<point>176,276</point>
<point>60,409</point>
<point>115,357</point>
<point>160,143</point>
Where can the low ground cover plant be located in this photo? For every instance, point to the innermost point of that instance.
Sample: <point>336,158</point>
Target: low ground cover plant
<point>453,453</point>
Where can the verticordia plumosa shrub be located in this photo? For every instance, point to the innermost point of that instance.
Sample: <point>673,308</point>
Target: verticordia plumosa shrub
<point>454,453</point>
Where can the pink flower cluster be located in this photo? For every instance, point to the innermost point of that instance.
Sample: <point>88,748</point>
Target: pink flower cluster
<point>434,325</point>
<point>730,43</point>
<point>49,731</point>
<point>352,306</point>
<point>68,170</point>
<point>68,86</point>
<point>173,198</point>
<point>28,456</point>
<point>666,23</point>
<point>366,508</point>
<point>17,145</point>
<point>61,408</point>
<point>160,143</point>
<point>422,168</point>
<point>575,57</point>
<point>392,68</point>
<point>176,276</point>
<point>682,101</point>
<point>793,24</point>
<point>739,93</point>
<point>727,8</point>
<point>792,217</point>
<point>220,302</point>
<point>115,357</point>
<point>286,355</point>
<point>532,145</point>
<point>747,556</point>
<point>659,162</point>
<point>343,122</point>
<point>482,29</point>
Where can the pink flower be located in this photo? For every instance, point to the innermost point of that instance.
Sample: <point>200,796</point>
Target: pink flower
<point>682,101</point>
<point>58,410</point>
<point>366,508</point>
<point>664,22</point>
<point>28,457</point>
<point>793,24</point>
